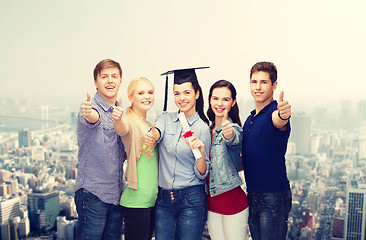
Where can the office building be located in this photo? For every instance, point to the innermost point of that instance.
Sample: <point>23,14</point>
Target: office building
<point>43,209</point>
<point>300,132</point>
<point>24,137</point>
<point>355,213</point>
<point>9,209</point>
<point>24,227</point>
<point>65,228</point>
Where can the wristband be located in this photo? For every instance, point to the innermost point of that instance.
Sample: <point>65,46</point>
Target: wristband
<point>283,119</point>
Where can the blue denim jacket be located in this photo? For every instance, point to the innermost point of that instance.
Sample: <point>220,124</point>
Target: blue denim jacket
<point>225,160</point>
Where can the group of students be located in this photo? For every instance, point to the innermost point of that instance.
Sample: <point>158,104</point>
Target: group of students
<point>172,192</point>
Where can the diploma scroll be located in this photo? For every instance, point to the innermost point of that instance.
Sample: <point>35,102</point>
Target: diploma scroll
<point>182,118</point>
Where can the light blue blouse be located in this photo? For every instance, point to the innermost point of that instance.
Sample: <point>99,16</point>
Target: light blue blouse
<point>177,164</point>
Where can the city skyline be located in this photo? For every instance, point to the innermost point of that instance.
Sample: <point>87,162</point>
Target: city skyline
<point>49,49</point>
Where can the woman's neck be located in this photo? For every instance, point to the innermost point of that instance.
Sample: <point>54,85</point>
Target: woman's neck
<point>218,121</point>
<point>140,113</point>
<point>189,114</point>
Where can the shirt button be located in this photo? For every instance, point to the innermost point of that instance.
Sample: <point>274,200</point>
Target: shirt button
<point>251,122</point>
<point>212,180</point>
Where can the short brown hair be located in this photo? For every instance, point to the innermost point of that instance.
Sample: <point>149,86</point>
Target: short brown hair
<point>106,63</point>
<point>267,67</point>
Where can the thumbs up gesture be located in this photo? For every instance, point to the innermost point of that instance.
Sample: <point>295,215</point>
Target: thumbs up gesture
<point>151,137</point>
<point>118,111</point>
<point>284,108</point>
<point>227,128</point>
<point>86,107</point>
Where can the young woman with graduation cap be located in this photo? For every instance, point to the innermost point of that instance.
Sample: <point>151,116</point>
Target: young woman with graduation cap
<point>181,206</point>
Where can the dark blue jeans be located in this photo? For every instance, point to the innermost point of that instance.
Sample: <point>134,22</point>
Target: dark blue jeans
<point>268,215</point>
<point>96,219</point>
<point>181,214</point>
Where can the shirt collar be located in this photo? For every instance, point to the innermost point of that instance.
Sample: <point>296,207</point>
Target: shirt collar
<point>102,103</point>
<point>190,120</point>
<point>265,108</point>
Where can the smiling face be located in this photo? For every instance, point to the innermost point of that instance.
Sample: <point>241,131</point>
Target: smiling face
<point>142,98</point>
<point>185,98</point>
<point>107,83</point>
<point>262,88</point>
<point>220,101</point>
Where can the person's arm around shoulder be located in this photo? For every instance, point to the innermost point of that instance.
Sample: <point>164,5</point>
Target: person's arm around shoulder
<point>120,125</point>
<point>281,116</point>
<point>88,112</point>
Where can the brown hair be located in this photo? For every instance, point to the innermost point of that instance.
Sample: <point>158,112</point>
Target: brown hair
<point>267,67</point>
<point>106,63</point>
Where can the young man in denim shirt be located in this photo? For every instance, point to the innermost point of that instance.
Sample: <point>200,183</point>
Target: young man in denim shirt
<point>99,183</point>
<point>265,136</point>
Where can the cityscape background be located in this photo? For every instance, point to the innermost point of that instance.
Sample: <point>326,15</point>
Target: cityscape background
<point>325,161</point>
<point>49,50</point>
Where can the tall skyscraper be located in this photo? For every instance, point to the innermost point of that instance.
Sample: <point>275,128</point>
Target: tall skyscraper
<point>43,209</point>
<point>300,132</point>
<point>355,213</point>
<point>74,121</point>
<point>24,137</point>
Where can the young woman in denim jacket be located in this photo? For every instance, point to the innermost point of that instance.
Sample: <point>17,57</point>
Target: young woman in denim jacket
<point>227,202</point>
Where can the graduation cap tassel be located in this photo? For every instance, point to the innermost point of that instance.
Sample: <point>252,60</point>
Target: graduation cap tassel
<point>166,93</point>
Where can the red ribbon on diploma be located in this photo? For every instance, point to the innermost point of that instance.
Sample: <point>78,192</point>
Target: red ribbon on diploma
<point>188,134</point>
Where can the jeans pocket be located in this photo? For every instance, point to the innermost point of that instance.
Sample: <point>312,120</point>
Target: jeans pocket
<point>271,200</point>
<point>159,198</point>
<point>89,198</point>
<point>195,200</point>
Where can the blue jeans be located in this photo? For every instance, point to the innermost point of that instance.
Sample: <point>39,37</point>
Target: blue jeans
<point>268,215</point>
<point>181,214</point>
<point>97,220</point>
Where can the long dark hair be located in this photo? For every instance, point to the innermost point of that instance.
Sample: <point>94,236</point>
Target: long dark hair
<point>199,102</point>
<point>234,111</point>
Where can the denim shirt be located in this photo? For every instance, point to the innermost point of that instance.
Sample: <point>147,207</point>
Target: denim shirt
<point>100,155</point>
<point>225,160</point>
<point>177,164</point>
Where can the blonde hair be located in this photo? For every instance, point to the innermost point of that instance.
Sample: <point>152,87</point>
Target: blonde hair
<point>142,124</point>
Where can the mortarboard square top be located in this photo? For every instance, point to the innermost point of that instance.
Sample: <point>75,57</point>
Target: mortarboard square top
<point>184,75</point>
<point>180,76</point>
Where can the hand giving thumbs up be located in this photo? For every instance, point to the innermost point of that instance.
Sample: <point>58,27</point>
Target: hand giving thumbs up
<point>227,128</point>
<point>284,108</point>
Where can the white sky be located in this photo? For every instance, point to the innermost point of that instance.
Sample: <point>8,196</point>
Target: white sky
<point>48,49</point>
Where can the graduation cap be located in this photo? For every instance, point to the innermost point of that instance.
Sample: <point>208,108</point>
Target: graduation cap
<point>180,76</point>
